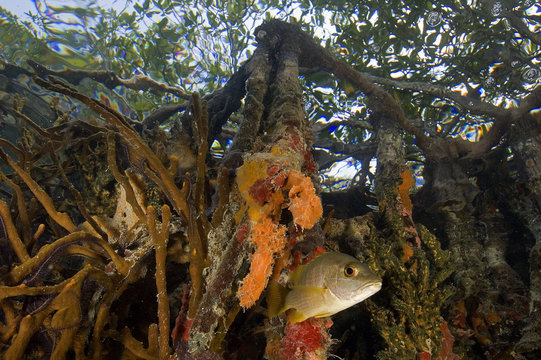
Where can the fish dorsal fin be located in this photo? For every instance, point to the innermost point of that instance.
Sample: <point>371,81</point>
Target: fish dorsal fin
<point>276,298</point>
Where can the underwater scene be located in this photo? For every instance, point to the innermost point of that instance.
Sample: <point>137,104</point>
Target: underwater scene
<point>283,180</point>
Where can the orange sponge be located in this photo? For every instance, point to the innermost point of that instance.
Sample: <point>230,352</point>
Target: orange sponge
<point>404,188</point>
<point>305,205</point>
<point>269,240</point>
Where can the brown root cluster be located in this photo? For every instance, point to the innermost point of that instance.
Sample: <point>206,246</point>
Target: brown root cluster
<point>82,243</point>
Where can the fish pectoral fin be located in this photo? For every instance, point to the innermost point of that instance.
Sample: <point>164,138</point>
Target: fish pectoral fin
<point>295,316</point>
<point>276,298</point>
<point>306,301</point>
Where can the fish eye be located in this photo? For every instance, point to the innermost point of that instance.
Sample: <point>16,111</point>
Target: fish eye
<point>351,270</point>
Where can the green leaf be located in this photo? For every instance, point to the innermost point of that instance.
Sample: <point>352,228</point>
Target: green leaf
<point>163,23</point>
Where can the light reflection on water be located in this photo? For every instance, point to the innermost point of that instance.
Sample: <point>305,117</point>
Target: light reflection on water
<point>340,175</point>
<point>473,132</point>
<point>69,31</point>
<point>67,28</point>
<point>417,170</point>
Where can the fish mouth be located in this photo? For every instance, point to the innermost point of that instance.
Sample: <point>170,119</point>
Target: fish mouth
<point>361,292</point>
<point>369,288</point>
<point>376,285</point>
<point>365,290</point>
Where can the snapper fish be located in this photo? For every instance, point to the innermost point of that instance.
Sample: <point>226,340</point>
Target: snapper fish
<point>329,283</point>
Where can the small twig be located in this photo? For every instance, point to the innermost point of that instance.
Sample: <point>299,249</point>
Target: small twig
<point>200,132</point>
<point>135,346</point>
<point>161,114</point>
<point>11,320</point>
<point>12,148</point>
<point>198,226</point>
<point>13,236</point>
<point>21,207</point>
<point>60,218</point>
<point>37,234</point>
<point>160,244</point>
<point>223,197</point>
<point>43,255</point>
<point>122,179</point>
<point>44,133</point>
<point>84,251</point>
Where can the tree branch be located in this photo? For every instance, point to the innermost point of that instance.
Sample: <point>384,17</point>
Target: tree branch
<point>109,79</point>
<point>516,21</point>
<point>530,102</point>
<point>473,105</point>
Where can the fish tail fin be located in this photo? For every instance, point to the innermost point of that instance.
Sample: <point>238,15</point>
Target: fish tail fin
<point>276,298</point>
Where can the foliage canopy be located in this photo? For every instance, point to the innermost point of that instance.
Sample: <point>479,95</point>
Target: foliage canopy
<point>487,51</point>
